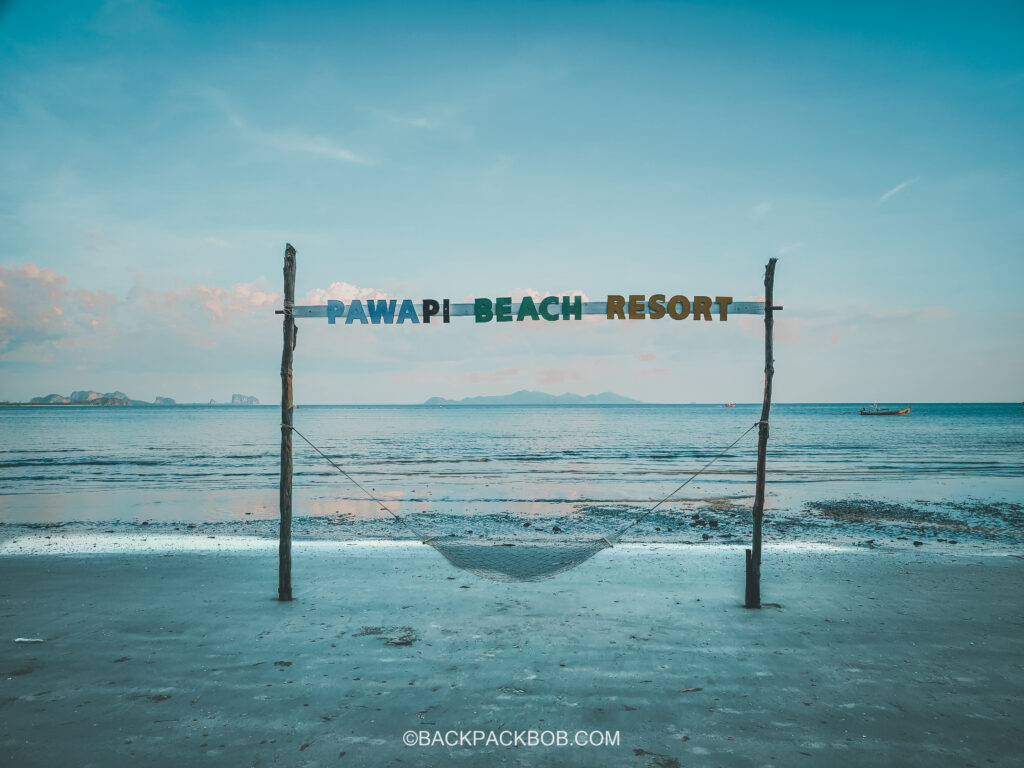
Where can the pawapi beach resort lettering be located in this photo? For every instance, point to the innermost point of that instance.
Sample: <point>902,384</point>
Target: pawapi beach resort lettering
<point>658,306</point>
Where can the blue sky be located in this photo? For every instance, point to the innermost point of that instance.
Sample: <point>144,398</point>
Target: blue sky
<point>157,156</point>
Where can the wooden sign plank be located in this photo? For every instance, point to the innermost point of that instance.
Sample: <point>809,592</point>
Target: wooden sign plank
<point>589,308</point>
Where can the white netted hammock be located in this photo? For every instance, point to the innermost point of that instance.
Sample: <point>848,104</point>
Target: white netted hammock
<point>520,560</point>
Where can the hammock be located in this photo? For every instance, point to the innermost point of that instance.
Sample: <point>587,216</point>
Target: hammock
<point>518,561</point>
<point>529,560</point>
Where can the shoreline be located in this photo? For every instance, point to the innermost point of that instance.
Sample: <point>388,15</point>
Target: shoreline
<point>37,543</point>
<point>875,524</point>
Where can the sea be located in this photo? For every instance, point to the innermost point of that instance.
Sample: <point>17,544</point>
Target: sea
<point>191,465</point>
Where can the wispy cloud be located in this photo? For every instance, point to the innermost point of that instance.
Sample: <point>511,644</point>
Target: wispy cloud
<point>447,119</point>
<point>290,142</point>
<point>898,188</point>
<point>407,121</point>
<point>760,209</point>
<point>314,145</point>
<point>788,248</point>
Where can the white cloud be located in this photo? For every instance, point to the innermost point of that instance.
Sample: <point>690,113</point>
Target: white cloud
<point>222,304</point>
<point>39,309</point>
<point>898,188</point>
<point>343,292</point>
<point>533,293</point>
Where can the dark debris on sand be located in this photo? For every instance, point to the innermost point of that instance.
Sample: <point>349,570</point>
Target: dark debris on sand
<point>705,521</point>
<point>998,521</point>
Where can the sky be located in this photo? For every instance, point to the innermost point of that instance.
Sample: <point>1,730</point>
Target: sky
<point>156,157</point>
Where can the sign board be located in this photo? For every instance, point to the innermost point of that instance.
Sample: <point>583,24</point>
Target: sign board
<point>658,306</point>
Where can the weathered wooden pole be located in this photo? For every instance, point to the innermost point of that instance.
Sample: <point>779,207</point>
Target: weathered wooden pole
<point>753,586</point>
<point>284,567</point>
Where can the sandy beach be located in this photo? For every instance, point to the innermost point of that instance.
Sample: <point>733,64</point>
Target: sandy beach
<point>180,656</point>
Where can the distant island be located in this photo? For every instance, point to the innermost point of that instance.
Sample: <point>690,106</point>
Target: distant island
<point>526,397</point>
<point>117,398</point>
<point>91,397</point>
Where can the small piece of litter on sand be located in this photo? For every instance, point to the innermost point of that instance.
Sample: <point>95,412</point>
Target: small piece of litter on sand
<point>29,640</point>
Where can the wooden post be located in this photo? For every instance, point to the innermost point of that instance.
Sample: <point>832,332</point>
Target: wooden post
<point>753,582</point>
<point>284,568</point>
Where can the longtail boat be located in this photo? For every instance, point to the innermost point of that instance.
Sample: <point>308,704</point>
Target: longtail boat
<point>876,411</point>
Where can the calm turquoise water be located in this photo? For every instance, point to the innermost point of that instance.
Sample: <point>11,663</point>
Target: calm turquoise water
<point>197,463</point>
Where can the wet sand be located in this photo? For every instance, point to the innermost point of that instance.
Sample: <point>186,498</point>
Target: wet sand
<point>871,523</point>
<point>902,656</point>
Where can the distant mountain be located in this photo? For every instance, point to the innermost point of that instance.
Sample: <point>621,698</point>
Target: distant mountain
<point>525,397</point>
<point>50,400</point>
<point>244,400</point>
<point>87,397</point>
<point>91,397</point>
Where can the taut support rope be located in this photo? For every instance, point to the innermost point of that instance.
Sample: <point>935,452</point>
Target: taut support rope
<point>429,539</point>
<point>677,490</point>
<point>357,484</point>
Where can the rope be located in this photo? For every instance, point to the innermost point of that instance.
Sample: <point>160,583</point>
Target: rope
<point>609,539</point>
<point>677,490</point>
<point>419,534</point>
